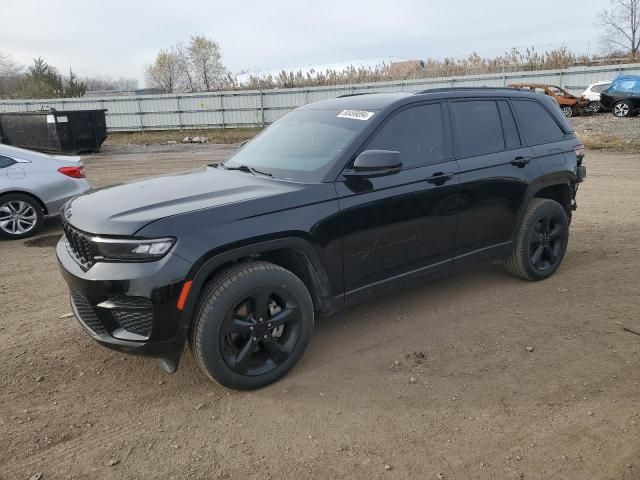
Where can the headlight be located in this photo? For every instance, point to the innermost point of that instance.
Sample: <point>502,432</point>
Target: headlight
<point>132,250</point>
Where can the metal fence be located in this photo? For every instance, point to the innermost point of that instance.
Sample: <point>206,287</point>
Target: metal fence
<point>249,108</point>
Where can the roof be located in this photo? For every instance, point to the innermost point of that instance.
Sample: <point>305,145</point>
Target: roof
<point>379,101</point>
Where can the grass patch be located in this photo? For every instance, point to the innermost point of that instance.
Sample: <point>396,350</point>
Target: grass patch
<point>601,141</point>
<point>215,135</point>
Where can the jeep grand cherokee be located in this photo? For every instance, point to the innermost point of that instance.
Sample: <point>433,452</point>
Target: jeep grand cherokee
<point>335,202</point>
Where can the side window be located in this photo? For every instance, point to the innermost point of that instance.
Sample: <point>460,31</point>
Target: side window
<point>417,133</point>
<point>477,126</point>
<point>537,125</point>
<point>511,138</point>
<point>6,161</point>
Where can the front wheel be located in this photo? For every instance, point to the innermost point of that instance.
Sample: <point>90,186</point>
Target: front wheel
<point>253,324</point>
<point>621,109</point>
<point>541,241</point>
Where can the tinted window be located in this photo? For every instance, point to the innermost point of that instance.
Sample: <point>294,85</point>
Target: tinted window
<point>511,139</point>
<point>417,133</point>
<point>478,128</point>
<point>6,161</point>
<point>537,125</point>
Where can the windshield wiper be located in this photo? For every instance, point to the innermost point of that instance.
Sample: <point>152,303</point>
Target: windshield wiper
<point>246,168</point>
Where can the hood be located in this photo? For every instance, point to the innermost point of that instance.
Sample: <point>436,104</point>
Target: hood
<point>124,209</point>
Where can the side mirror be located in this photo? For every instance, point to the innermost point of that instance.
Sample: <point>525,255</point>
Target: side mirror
<point>375,163</point>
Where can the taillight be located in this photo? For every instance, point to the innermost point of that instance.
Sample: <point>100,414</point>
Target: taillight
<point>73,172</point>
<point>579,151</point>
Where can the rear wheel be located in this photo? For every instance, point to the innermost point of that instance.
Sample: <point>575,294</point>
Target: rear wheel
<point>20,216</point>
<point>252,326</point>
<point>541,241</point>
<point>594,106</point>
<point>621,109</point>
<point>567,111</point>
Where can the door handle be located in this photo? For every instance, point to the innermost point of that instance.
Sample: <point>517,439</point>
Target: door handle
<point>440,178</point>
<point>520,162</point>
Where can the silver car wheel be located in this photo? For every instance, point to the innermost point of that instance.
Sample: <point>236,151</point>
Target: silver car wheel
<point>567,111</point>
<point>17,217</point>
<point>621,109</point>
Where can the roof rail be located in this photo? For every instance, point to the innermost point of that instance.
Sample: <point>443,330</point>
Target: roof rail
<point>354,94</point>
<point>449,89</point>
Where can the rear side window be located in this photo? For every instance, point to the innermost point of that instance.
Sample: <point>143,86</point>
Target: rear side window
<point>6,161</point>
<point>417,133</point>
<point>478,128</point>
<point>536,123</point>
<point>511,138</point>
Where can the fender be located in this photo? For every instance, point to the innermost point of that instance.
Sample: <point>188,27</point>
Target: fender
<point>202,270</point>
<point>560,178</point>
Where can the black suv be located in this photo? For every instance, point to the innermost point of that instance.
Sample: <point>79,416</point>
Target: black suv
<point>333,203</point>
<point>622,98</point>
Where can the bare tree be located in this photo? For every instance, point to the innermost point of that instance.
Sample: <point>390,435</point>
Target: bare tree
<point>8,66</point>
<point>165,72</point>
<point>185,65</point>
<point>10,75</point>
<point>621,26</point>
<point>206,61</point>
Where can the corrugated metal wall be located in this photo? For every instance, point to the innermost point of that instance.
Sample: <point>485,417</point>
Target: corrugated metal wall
<point>255,108</point>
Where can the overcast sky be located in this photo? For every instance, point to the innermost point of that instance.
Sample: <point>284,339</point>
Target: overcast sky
<point>118,38</point>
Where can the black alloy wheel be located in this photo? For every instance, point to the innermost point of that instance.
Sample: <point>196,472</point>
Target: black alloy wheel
<point>252,325</point>
<point>540,241</point>
<point>547,241</point>
<point>261,331</point>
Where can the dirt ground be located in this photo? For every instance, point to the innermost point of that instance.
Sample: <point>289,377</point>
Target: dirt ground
<point>480,405</point>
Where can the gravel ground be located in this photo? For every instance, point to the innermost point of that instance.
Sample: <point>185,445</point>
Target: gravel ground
<point>475,376</point>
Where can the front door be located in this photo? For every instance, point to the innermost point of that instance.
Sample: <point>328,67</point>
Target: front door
<point>401,225</point>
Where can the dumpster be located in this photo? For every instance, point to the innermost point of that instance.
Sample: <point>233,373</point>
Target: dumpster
<point>66,131</point>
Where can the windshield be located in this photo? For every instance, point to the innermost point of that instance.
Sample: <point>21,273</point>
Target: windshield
<point>301,146</point>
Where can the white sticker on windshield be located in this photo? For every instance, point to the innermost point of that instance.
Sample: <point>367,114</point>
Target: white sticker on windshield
<point>356,114</point>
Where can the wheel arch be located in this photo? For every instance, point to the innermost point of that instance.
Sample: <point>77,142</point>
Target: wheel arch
<point>558,189</point>
<point>28,194</point>
<point>295,254</point>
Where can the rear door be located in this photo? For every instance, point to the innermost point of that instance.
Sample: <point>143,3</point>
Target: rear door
<point>403,224</point>
<point>495,171</point>
<point>545,137</point>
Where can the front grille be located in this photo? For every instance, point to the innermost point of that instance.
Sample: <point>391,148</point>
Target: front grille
<point>86,314</point>
<point>79,246</point>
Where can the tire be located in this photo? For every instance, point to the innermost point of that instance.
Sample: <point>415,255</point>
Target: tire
<point>621,109</point>
<point>594,106</point>
<point>567,111</point>
<point>21,216</point>
<point>540,242</point>
<point>234,337</point>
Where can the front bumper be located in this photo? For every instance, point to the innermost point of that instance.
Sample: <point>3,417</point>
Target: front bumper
<point>130,307</point>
